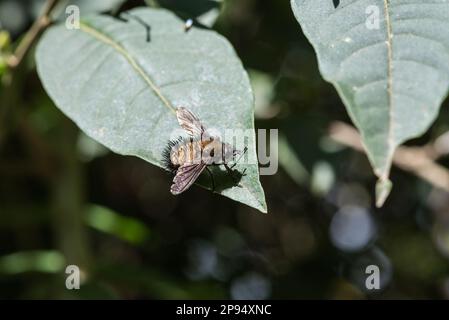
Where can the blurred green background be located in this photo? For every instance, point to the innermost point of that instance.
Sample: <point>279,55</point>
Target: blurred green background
<point>64,199</point>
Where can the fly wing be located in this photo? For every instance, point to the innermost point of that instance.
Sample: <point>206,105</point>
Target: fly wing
<point>185,177</point>
<point>189,122</point>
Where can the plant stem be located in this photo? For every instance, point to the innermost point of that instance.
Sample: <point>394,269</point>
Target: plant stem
<point>27,41</point>
<point>68,200</point>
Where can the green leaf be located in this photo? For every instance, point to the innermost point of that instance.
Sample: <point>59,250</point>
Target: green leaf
<point>3,66</point>
<point>48,261</point>
<point>392,79</point>
<point>108,221</point>
<point>5,40</point>
<point>122,90</point>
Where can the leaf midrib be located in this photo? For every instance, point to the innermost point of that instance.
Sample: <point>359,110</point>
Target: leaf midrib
<point>389,43</point>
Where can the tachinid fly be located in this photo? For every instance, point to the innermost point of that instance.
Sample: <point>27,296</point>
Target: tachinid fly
<point>188,157</point>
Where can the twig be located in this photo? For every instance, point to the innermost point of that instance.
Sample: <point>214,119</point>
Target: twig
<point>25,44</point>
<point>417,160</point>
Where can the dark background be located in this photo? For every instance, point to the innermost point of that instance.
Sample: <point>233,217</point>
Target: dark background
<point>66,200</point>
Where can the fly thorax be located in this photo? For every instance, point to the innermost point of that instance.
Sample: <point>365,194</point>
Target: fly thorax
<point>212,151</point>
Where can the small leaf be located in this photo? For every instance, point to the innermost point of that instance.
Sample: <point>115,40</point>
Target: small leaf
<point>108,221</point>
<point>5,40</point>
<point>389,61</point>
<point>122,90</point>
<point>3,66</point>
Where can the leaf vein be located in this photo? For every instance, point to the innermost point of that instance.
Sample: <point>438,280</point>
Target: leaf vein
<point>105,39</point>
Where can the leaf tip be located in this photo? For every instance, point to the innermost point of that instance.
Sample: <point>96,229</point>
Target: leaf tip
<point>263,209</point>
<point>383,189</point>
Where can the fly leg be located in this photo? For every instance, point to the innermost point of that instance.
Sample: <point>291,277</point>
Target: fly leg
<point>243,153</point>
<point>211,178</point>
<point>231,173</point>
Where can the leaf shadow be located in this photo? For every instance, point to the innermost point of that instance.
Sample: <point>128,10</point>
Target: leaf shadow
<point>126,17</point>
<point>222,178</point>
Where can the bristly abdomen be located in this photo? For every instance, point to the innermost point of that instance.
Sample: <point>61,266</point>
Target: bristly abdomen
<point>166,160</point>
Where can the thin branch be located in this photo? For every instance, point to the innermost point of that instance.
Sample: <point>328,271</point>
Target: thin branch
<point>417,160</point>
<point>27,41</point>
